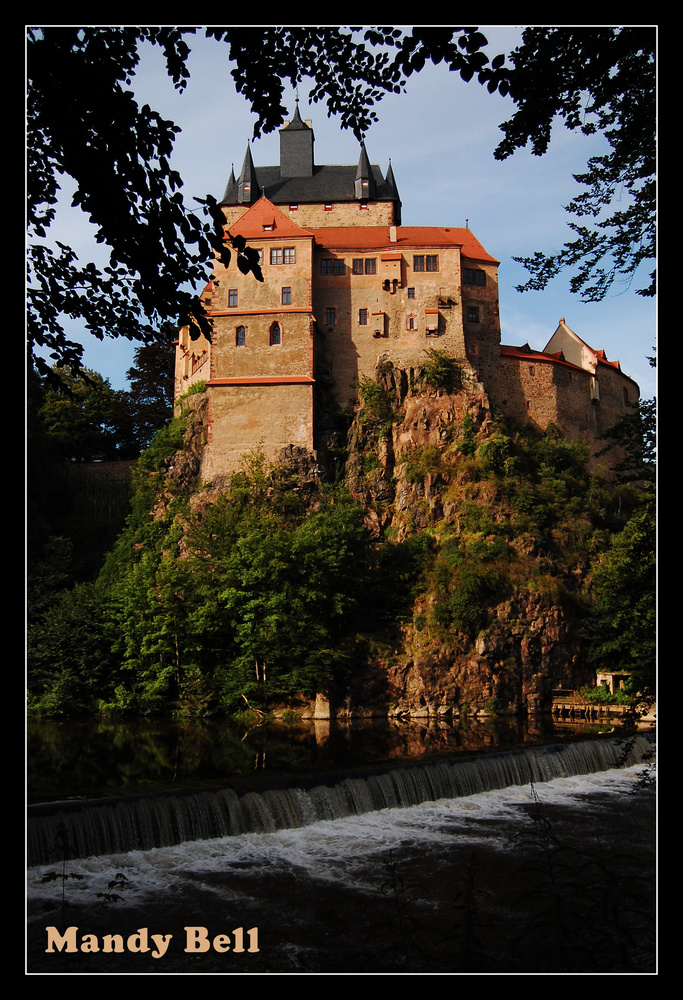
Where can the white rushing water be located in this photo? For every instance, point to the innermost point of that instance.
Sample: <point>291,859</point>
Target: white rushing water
<point>342,850</point>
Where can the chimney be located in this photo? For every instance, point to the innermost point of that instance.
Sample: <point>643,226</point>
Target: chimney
<point>392,233</point>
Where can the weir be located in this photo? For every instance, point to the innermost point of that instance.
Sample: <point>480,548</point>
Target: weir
<point>116,825</point>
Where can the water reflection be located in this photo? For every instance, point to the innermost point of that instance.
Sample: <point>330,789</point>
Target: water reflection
<point>107,757</point>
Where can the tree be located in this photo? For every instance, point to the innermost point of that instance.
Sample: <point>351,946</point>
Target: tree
<point>150,400</point>
<point>594,79</point>
<point>80,416</point>
<point>622,626</point>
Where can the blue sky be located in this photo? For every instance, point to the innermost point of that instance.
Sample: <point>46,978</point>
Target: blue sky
<point>440,136</point>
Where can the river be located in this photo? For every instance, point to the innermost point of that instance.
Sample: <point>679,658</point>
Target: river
<point>546,877</point>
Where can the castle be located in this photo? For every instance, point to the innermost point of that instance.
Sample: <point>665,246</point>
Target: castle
<point>346,286</point>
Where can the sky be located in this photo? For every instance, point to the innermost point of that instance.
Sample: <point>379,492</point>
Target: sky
<point>440,136</point>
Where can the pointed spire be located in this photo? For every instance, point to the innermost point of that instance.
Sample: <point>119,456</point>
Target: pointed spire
<point>230,186</point>
<point>393,193</point>
<point>365,182</point>
<point>247,185</point>
<point>297,121</point>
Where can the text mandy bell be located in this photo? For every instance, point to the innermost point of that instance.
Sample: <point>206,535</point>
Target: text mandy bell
<point>196,940</point>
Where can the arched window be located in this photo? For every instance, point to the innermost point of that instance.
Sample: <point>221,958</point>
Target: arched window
<point>275,334</point>
<point>240,336</point>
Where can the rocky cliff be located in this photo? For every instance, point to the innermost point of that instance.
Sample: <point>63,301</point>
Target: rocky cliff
<point>409,444</point>
<point>491,622</point>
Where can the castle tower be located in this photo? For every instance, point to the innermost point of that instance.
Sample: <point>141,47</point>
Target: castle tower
<point>296,148</point>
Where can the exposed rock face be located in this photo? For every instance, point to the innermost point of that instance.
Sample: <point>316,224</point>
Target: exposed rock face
<point>511,666</point>
<point>184,465</point>
<point>529,646</point>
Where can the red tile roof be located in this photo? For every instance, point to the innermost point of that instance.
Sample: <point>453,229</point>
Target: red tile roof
<point>406,238</point>
<point>264,214</point>
<point>362,238</point>
<point>526,352</point>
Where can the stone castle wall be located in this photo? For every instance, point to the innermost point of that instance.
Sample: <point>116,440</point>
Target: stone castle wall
<point>333,304</point>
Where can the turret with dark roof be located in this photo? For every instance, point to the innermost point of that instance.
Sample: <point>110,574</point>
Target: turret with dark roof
<point>297,179</point>
<point>248,190</point>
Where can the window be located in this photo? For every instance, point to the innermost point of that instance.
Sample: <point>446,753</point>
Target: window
<point>363,205</point>
<point>532,370</point>
<point>293,208</point>
<point>362,317</point>
<point>286,295</point>
<point>411,293</point>
<point>473,314</point>
<point>240,336</point>
<point>363,266</point>
<point>232,296</point>
<point>474,349</point>
<point>330,266</point>
<point>472,277</point>
<point>410,323</point>
<point>330,316</point>
<point>282,255</point>
<point>428,263</point>
<point>328,207</point>
<point>275,335</point>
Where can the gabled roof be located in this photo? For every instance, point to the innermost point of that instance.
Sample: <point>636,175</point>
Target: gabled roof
<point>564,332</point>
<point>264,219</point>
<point>570,350</point>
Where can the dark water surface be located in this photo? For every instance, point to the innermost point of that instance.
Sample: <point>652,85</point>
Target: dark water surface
<point>104,757</point>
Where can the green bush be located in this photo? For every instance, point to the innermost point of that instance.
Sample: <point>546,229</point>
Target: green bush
<point>441,371</point>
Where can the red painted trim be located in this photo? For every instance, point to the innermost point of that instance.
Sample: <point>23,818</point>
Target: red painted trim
<point>264,380</point>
